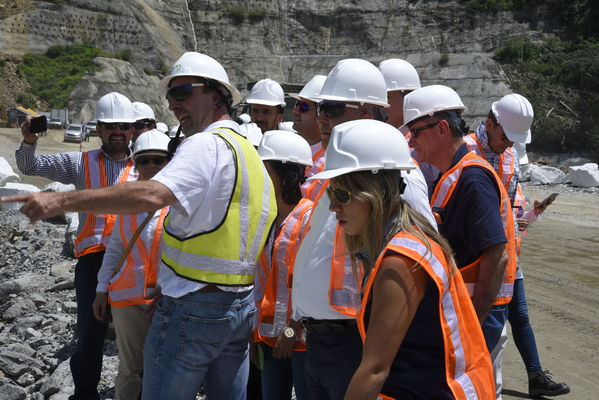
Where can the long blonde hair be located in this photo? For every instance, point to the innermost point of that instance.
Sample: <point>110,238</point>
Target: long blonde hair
<point>389,214</point>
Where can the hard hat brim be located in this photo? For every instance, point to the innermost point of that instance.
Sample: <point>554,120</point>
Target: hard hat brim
<point>266,103</point>
<point>333,173</point>
<point>111,120</point>
<point>517,137</point>
<point>272,158</point>
<point>345,100</point>
<point>150,152</point>
<point>300,98</point>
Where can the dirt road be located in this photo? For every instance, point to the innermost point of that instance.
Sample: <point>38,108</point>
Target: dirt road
<point>561,267</point>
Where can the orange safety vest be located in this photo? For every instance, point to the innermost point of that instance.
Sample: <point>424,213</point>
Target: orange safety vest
<point>312,189</point>
<point>468,366</point>
<point>97,229</point>
<point>138,273</point>
<point>275,307</point>
<point>443,192</point>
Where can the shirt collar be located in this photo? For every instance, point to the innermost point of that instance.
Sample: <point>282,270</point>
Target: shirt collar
<point>224,124</point>
<point>483,138</point>
<point>316,147</point>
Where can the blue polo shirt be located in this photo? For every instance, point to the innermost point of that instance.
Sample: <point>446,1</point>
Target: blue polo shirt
<point>471,221</point>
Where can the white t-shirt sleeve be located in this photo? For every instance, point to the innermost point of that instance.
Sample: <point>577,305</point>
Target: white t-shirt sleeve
<point>416,194</point>
<point>112,256</point>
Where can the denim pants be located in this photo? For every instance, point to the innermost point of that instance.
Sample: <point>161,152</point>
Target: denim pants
<point>522,332</point>
<point>200,339</point>
<point>493,325</point>
<point>331,361</point>
<point>86,359</point>
<point>280,375</point>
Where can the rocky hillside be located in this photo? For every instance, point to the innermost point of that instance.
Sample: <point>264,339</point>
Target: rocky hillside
<point>288,41</point>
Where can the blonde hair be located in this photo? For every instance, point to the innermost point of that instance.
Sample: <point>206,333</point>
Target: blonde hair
<point>389,214</point>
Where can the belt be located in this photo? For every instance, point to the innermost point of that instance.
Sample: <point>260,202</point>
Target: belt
<point>210,288</point>
<point>327,325</point>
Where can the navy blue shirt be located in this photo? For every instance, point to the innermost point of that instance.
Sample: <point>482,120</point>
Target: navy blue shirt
<point>471,221</point>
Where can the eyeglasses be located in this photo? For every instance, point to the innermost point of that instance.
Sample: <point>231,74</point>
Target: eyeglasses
<point>125,126</point>
<point>154,160</point>
<point>417,131</point>
<point>303,106</point>
<point>139,125</point>
<point>333,109</point>
<point>182,92</point>
<point>342,196</point>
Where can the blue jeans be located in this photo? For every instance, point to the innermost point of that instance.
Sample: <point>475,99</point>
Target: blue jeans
<point>493,325</point>
<point>200,339</point>
<point>279,375</point>
<point>522,332</point>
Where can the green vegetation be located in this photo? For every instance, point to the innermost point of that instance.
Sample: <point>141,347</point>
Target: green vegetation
<point>53,75</point>
<point>237,14</point>
<point>125,55</point>
<point>257,15</point>
<point>26,100</point>
<point>444,59</point>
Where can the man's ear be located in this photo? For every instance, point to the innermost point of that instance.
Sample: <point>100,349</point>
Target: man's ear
<point>488,124</point>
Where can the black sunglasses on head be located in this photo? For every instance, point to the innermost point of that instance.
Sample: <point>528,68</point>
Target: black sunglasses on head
<point>342,196</point>
<point>334,109</point>
<point>125,126</point>
<point>182,92</point>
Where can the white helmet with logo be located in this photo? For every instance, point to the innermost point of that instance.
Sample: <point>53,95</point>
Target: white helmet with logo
<point>267,92</point>
<point>428,101</point>
<point>515,114</point>
<point>355,80</point>
<point>285,146</point>
<point>143,111</point>
<point>399,75</point>
<point>114,107</point>
<point>152,142</point>
<point>365,145</point>
<point>311,90</point>
<point>200,65</point>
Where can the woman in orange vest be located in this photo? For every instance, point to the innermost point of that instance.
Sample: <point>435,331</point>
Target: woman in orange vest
<point>422,339</point>
<point>281,339</point>
<point>126,281</point>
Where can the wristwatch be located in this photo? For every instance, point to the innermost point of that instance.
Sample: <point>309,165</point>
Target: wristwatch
<point>289,332</point>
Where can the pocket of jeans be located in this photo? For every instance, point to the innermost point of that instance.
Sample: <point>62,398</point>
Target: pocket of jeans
<point>201,339</point>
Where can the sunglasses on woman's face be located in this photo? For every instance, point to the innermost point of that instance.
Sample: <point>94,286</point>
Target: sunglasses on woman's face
<point>154,160</point>
<point>342,196</point>
<point>181,92</point>
<point>333,109</point>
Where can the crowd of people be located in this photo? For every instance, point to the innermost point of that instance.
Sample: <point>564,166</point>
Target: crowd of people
<point>370,249</point>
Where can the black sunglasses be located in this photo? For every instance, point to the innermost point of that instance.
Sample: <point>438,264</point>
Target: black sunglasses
<point>342,196</point>
<point>142,124</point>
<point>333,109</point>
<point>153,160</point>
<point>303,106</point>
<point>125,126</point>
<point>182,92</point>
<point>417,131</point>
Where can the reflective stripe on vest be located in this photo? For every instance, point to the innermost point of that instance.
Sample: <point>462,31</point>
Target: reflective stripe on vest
<point>444,191</point>
<point>97,229</point>
<point>343,291</point>
<point>468,366</point>
<point>138,273</point>
<point>275,308</point>
<point>228,254</point>
<point>312,189</point>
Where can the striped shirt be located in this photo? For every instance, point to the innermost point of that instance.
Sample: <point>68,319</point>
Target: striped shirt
<point>65,168</point>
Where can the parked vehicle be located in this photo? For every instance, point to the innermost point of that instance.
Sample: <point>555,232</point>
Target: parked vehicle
<point>90,127</point>
<point>55,123</point>
<point>75,133</point>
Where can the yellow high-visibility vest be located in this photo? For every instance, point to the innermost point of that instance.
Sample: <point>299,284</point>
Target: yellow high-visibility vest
<point>229,253</point>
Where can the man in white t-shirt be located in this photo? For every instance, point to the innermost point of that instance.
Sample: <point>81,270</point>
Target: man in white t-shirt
<point>222,207</point>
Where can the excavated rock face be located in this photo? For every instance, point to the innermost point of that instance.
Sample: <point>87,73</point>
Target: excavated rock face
<point>289,41</point>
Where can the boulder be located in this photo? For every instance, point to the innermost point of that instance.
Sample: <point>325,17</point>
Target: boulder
<point>13,188</point>
<point>12,392</point>
<point>541,174</point>
<point>6,173</point>
<point>585,176</point>
<point>60,379</point>
<point>63,269</point>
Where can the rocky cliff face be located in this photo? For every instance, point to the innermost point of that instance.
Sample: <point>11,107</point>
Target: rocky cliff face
<point>286,40</point>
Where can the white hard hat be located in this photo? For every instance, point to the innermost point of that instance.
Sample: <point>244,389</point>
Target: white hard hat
<point>251,132</point>
<point>427,101</point>
<point>201,65</point>
<point>521,150</point>
<point>399,74</point>
<point>355,80</point>
<point>114,107</point>
<point>287,126</point>
<point>285,146</point>
<point>514,113</point>
<point>267,92</point>
<point>311,90</point>
<point>365,145</point>
<point>142,111</point>
<point>152,142</point>
<point>162,127</point>
<point>245,118</point>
